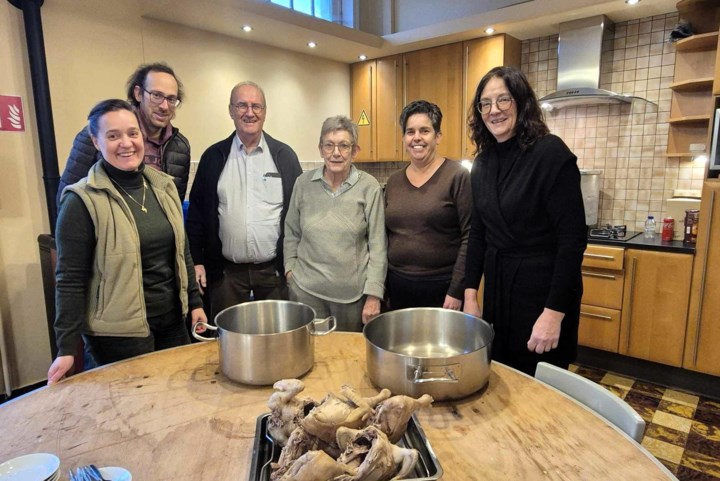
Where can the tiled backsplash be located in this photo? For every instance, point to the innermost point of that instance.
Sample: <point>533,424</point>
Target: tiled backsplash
<point>627,142</point>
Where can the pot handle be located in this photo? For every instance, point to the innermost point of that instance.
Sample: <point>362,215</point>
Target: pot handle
<point>203,338</point>
<point>416,374</point>
<point>330,320</point>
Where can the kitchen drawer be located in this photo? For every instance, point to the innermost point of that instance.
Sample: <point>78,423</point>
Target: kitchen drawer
<point>602,288</point>
<point>603,257</point>
<point>599,328</point>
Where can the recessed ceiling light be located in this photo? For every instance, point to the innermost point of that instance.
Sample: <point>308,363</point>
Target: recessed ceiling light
<point>312,44</point>
<point>632,2</point>
<point>247,28</point>
<point>489,30</point>
<point>362,57</point>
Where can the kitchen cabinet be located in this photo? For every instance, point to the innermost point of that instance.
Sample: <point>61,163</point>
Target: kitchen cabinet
<point>436,75</point>
<point>479,56</point>
<point>376,103</point>
<point>692,102</point>
<point>600,311</point>
<point>655,305</point>
<point>702,344</point>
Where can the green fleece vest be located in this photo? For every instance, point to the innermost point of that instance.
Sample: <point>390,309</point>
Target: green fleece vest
<point>116,302</point>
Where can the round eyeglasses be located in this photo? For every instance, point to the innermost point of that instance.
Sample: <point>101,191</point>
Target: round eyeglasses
<point>503,103</point>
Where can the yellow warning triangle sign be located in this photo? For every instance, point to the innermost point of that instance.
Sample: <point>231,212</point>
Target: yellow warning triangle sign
<point>364,121</point>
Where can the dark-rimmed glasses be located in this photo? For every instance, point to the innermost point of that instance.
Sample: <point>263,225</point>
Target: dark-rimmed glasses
<point>503,103</point>
<point>157,98</point>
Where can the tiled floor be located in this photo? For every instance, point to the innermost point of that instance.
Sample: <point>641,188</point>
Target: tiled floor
<point>683,429</point>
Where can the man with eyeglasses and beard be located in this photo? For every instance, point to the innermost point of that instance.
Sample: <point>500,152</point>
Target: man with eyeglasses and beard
<point>238,203</point>
<point>155,93</point>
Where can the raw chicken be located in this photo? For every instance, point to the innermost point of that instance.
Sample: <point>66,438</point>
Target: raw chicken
<point>315,466</point>
<point>348,410</point>
<point>392,415</point>
<point>286,410</point>
<point>373,457</point>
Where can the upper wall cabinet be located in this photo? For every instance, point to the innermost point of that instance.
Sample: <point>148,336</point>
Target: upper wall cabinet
<point>376,106</point>
<point>436,75</point>
<point>480,56</point>
<point>692,102</point>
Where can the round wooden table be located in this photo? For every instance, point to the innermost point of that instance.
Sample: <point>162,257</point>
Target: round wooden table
<point>172,415</point>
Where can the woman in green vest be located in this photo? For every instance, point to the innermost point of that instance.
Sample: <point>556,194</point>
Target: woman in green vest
<point>124,279</point>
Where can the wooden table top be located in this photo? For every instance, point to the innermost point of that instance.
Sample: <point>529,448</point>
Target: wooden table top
<point>172,415</point>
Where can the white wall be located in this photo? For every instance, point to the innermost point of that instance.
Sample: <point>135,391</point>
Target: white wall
<point>90,54</point>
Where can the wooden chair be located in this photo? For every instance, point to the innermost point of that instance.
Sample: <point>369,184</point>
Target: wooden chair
<point>595,397</point>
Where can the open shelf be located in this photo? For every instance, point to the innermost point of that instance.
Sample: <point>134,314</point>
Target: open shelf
<point>703,41</point>
<point>692,84</point>
<point>690,119</point>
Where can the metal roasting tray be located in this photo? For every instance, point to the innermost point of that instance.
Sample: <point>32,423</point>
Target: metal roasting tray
<point>265,451</point>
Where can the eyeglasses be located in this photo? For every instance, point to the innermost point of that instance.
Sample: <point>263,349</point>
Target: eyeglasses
<point>503,103</point>
<point>157,98</point>
<point>329,147</point>
<point>242,107</point>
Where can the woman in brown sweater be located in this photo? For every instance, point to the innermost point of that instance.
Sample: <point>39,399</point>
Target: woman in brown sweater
<point>427,215</point>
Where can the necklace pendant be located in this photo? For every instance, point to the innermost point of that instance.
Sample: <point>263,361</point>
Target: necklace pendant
<point>142,208</point>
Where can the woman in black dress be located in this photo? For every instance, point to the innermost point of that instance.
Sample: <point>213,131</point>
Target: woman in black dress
<point>528,230</point>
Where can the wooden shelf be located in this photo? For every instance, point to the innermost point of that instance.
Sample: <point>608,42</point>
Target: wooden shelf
<point>693,85</point>
<point>685,154</point>
<point>704,41</point>
<point>690,119</point>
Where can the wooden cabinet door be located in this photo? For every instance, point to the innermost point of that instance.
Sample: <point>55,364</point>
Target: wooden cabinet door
<point>387,109</point>
<point>655,305</point>
<point>436,75</point>
<point>363,77</point>
<point>480,56</point>
<point>599,328</point>
<point>702,348</point>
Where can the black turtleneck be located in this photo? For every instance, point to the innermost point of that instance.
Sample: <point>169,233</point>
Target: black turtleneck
<point>75,238</point>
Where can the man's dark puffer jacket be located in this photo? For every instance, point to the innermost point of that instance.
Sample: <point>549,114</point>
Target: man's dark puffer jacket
<point>176,161</point>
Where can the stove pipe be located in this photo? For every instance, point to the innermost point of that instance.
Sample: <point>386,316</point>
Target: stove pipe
<point>41,96</point>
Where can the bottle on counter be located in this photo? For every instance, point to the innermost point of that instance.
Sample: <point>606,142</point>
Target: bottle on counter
<point>650,227</point>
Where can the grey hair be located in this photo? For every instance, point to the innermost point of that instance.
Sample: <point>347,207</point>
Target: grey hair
<point>339,122</point>
<point>248,83</point>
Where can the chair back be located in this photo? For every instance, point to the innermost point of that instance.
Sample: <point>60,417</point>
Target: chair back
<point>595,397</point>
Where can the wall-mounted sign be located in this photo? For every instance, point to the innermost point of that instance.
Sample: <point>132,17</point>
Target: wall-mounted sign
<point>12,118</point>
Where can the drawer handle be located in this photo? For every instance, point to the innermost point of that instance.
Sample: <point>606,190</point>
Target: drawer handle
<point>599,256</point>
<point>597,274</point>
<point>598,316</point>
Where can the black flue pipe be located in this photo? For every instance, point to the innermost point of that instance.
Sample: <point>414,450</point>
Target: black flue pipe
<point>43,106</point>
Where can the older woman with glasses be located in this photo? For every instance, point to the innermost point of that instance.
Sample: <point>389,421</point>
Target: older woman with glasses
<point>427,207</point>
<point>528,229</point>
<point>335,246</point>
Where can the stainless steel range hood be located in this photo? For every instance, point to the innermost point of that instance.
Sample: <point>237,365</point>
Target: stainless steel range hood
<point>584,53</point>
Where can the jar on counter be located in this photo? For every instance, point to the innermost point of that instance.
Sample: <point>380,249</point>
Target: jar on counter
<point>692,217</point>
<point>668,228</point>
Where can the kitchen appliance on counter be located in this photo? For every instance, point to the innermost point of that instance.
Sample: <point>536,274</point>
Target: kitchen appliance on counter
<point>590,186</point>
<point>617,233</point>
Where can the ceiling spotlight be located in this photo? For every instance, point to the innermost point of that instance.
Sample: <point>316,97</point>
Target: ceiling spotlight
<point>362,57</point>
<point>312,44</point>
<point>247,28</point>
<point>632,2</point>
<point>489,30</point>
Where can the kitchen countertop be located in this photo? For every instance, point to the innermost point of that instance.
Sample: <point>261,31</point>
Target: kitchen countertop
<point>171,415</point>
<point>654,244</point>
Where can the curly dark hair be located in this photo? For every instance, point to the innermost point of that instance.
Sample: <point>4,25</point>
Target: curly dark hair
<point>530,124</point>
<point>422,107</point>
<point>140,75</point>
<point>102,108</point>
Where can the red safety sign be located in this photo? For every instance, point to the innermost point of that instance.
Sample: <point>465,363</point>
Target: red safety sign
<point>12,118</point>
